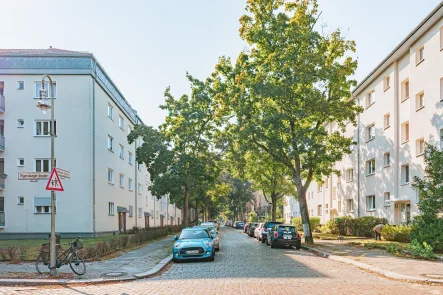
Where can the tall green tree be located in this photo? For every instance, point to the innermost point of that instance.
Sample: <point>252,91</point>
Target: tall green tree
<point>282,93</point>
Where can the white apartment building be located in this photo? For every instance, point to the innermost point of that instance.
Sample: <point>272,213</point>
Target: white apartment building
<point>403,108</point>
<point>291,208</point>
<point>107,192</point>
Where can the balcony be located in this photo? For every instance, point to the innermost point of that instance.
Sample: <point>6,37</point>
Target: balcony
<point>2,143</point>
<point>2,218</point>
<point>2,103</point>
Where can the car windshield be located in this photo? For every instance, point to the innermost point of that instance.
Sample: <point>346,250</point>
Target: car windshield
<point>289,229</point>
<point>194,234</point>
<point>270,224</point>
<point>210,228</point>
<point>207,223</point>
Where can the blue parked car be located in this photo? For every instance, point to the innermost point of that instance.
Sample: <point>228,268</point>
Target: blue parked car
<point>193,243</point>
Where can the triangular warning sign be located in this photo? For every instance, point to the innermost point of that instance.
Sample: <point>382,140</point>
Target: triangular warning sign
<point>54,183</point>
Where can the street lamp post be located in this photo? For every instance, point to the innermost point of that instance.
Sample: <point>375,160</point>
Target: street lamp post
<point>44,106</point>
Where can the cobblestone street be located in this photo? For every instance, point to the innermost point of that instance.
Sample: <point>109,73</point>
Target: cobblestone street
<point>245,266</point>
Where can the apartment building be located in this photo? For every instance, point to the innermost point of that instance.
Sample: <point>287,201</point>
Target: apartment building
<point>107,191</point>
<point>291,208</point>
<point>403,109</point>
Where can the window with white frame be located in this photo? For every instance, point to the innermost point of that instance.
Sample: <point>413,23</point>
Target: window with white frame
<point>405,90</point>
<point>20,123</point>
<point>42,205</point>
<point>121,122</point>
<point>110,112</point>
<point>370,98</point>
<point>121,180</point>
<point>441,37</point>
<point>420,101</point>
<point>386,83</point>
<point>139,166</point>
<point>387,159</point>
<point>20,162</point>
<point>42,165</point>
<point>420,147</point>
<point>405,132</point>
<point>339,206</point>
<point>111,208</point>
<point>370,202</point>
<point>319,210</point>
<point>130,184</point>
<point>20,200</point>
<point>420,54</point>
<point>21,85</point>
<point>139,188</point>
<point>349,175</point>
<point>405,174</point>
<point>43,128</point>
<point>38,86</point>
<point>387,197</point>
<point>370,167</point>
<point>387,119</point>
<point>122,152</point>
<point>319,187</point>
<point>140,213</point>
<point>130,158</point>
<point>131,211</point>
<point>370,132</point>
<point>349,205</point>
<point>110,143</point>
<point>110,176</point>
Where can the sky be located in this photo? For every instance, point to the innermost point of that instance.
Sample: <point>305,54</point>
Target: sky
<point>148,45</point>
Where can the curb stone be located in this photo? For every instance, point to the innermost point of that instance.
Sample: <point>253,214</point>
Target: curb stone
<point>155,269</point>
<point>374,269</point>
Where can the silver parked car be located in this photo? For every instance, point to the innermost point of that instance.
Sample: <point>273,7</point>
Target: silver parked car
<point>257,231</point>
<point>214,233</point>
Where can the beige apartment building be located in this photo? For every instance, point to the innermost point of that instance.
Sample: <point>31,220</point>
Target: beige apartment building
<point>403,109</point>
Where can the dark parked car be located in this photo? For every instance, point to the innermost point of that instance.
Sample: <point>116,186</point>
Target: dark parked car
<point>284,235</point>
<point>239,225</point>
<point>267,227</point>
<point>251,228</point>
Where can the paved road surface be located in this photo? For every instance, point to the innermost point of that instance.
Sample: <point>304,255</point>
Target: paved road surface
<point>244,266</point>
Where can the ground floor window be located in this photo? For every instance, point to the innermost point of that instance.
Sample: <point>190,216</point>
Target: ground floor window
<point>42,205</point>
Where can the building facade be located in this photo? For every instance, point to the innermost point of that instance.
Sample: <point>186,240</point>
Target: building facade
<point>107,191</point>
<point>291,208</point>
<point>403,109</point>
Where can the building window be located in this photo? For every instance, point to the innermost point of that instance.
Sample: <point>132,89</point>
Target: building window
<point>38,86</point>
<point>43,128</point>
<point>131,211</point>
<point>319,210</point>
<point>111,208</point>
<point>387,197</point>
<point>110,143</point>
<point>370,98</point>
<point>20,200</point>
<point>140,213</point>
<point>130,184</point>
<point>349,175</point>
<point>370,132</point>
<point>21,85</point>
<point>405,174</point>
<point>334,193</point>
<point>338,179</point>
<point>20,162</point>
<point>405,90</point>
<point>405,132</point>
<point>370,167</point>
<point>122,152</point>
<point>339,206</point>
<point>387,159</point>
<point>441,37</point>
<point>319,187</point>
<point>42,165</point>
<point>420,101</point>
<point>130,158</point>
<point>121,180</point>
<point>20,123</point>
<point>110,176</point>
<point>139,188</point>
<point>387,120</point>
<point>121,122</point>
<point>327,182</point>
<point>370,203</point>
<point>42,205</point>
<point>350,205</point>
<point>420,54</point>
<point>420,147</point>
<point>139,166</point>
<point>110,112</point>
<point>386,83</point>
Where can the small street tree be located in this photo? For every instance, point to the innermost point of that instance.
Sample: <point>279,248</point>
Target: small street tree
<point>283,91</point>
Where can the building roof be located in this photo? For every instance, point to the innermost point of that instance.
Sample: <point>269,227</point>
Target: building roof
<point>42,52</point>
<point>403,48</point>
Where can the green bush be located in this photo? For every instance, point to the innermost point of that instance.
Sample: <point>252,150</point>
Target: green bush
<point>429,230</point>
<point>421,250</point>
<point>252,217</point>
<point>399,233</point>
<point>330,227</point>
<point>361,226</point>
<point>313,221</point>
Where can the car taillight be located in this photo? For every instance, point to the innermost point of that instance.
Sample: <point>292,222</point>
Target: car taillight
<point>265,229</point>
<point>298,236</point>
<point>276,234</point>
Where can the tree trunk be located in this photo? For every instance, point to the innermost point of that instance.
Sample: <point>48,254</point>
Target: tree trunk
<point>274,206</point>
<point>304,215</point>
<point>196,212</point>
<point>186,209</point>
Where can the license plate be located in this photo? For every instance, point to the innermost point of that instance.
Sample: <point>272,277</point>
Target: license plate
<point>192,252</point>
<point>287,237</point>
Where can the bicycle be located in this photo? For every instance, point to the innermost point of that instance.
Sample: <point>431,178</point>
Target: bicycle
<point>77,264</point>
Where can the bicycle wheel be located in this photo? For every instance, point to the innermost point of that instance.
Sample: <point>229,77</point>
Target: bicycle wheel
<point>42,263</point>
<point>77,264</point>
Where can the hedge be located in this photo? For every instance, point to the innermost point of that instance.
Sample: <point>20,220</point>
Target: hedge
<point>348,226</point>
<point>399,233</point>
<point>313,221</point>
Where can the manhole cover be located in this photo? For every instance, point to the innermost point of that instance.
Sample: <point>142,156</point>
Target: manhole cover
<point>433,276</point>
<point>114,274</point>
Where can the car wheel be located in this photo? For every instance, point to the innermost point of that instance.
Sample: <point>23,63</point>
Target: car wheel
<point>217,249</point>
<point>175,260</point>
<point>212,258</point>
<point>262,240</point>
<point>272,245</point>
<point>298,246</point>
<point>267,241</point>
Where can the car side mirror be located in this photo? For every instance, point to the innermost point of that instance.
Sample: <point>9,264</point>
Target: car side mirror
<point>212,236</point>
<point>175,238</point>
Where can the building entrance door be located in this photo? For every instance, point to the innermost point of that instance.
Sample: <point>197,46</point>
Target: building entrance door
<point>146,221</point>
<point>122,222</point>
<point>405,212</point>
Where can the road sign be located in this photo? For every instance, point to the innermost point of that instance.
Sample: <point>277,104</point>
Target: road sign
<point>64,173</point>
<point>54,183</point>
<point>32,175</point>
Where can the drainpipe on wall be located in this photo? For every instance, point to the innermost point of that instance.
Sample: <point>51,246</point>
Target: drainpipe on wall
<point>136,190</point>
<point>396,131</point>
<point>93,151</point>
<point>358,161</point>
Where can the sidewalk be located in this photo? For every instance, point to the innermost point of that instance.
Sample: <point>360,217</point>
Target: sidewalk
<point>380,261</point>
<point>122,267</point>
